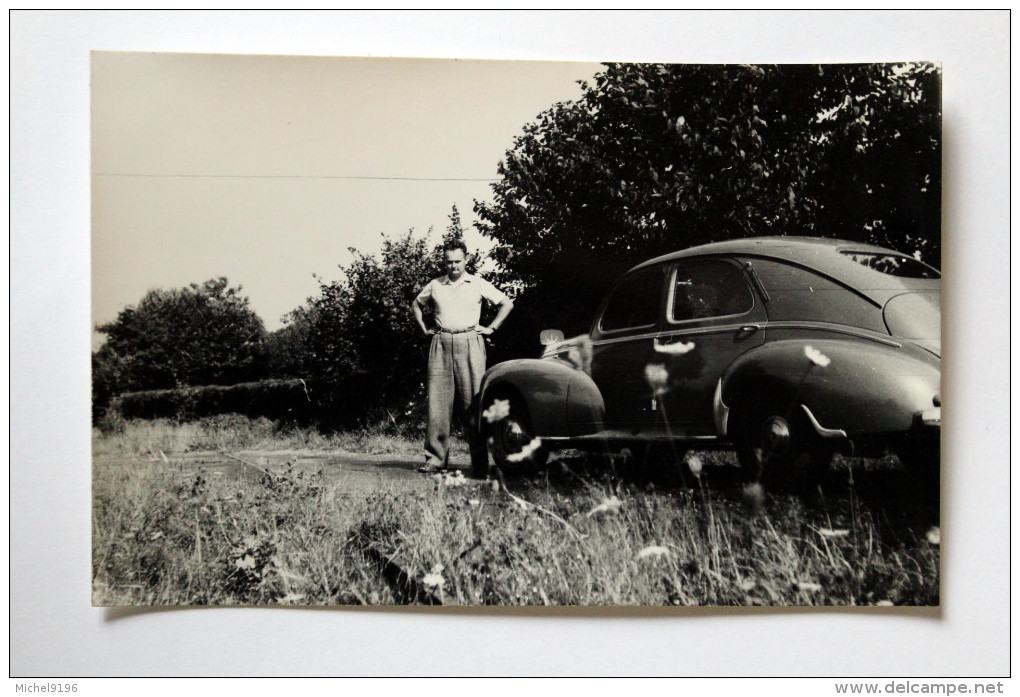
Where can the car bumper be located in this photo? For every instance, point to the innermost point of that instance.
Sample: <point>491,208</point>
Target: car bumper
<point>928,419</point>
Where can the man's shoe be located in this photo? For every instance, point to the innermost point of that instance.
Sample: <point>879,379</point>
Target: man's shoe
<point>431,468</point>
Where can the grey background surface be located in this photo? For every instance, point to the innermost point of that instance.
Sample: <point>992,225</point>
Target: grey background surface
<point>55,631</point>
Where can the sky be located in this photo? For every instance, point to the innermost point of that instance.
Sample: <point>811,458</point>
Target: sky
<point>266,169</point>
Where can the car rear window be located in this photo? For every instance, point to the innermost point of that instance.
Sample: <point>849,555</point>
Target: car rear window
<point>892,264</point>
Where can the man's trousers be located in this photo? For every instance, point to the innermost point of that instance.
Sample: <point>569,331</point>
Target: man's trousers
<point>456,365</point>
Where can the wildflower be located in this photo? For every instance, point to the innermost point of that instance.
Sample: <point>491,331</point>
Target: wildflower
<point>494,486</point>
<point>657,377</point>
<point>434,579</point>
<point>474,502</point>
<point>677,349</point>
<point>808,586</point>
<point>497,411</point>
<point>655,551</point>
<point>245,561</point>
<point>826,532</point>
<point>747,585</point>
<point>816,357</point>
<point>694,465</point>
<point>526,451</point>
<point>934,536</point>
<point>884,603</point>
<point>610,505</point>
<point>455,478</point>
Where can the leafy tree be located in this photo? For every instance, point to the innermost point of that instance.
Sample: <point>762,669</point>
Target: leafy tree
<point>654,158</point>
<point>199,335</point>
<point>364,348</point>
<point>286,348</point>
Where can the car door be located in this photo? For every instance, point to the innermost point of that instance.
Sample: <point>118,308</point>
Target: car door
<point>623,345</point>
<point>713,315</point>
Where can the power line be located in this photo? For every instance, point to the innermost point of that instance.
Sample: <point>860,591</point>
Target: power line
<point>289,176</point>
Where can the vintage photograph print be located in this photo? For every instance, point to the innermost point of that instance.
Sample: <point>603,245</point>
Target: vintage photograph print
<point>457,332</point>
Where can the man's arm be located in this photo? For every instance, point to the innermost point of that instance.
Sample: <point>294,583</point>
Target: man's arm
<point>420,319</point>
<point>501,315</point>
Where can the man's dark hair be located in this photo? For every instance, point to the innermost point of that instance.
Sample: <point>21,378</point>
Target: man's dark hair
<point>451,245</point>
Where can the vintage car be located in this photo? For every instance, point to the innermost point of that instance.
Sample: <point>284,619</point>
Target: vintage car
<point>786,349</point>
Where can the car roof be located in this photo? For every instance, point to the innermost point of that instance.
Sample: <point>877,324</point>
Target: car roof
<point>820,254</point>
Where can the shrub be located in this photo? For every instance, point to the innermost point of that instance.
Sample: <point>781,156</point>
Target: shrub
<point>280,400</point>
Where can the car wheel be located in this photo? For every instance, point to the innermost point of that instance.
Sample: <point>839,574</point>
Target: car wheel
<point>778,447</point>
<point>511,439</point>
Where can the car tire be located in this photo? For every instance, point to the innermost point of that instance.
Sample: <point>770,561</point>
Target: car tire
<point>508,437</point>
<point>777,447</point>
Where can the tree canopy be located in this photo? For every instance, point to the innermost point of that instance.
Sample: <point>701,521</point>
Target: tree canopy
<point>658,157</point>
<point>203,334</point>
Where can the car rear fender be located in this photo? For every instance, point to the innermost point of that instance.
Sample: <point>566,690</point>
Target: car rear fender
<point>865,388</point>
<point>561,400</point>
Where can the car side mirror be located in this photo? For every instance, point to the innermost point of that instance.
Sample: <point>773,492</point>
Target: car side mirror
<point>550,336</point>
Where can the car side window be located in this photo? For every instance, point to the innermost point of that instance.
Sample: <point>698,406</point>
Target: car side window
<point>635,302</point>
<point>705,289</point>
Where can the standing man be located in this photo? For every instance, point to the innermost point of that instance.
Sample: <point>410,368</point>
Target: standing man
<point>457,352</point>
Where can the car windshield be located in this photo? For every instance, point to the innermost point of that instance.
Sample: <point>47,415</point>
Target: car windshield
<point>635,301</point>
<point>892,264</point>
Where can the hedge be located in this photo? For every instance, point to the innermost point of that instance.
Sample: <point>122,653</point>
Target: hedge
<point>280,400</point>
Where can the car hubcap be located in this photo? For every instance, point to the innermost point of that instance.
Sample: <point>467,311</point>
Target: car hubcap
<point>514,436</point>
<point>775,436</point>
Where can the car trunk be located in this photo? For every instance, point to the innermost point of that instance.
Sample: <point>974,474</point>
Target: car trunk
<point>916,317</point>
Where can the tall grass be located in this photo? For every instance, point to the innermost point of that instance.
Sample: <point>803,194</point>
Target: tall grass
<point>232,432</point>
<point>579,535</point>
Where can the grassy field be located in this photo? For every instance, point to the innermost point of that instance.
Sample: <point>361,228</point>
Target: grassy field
<point>165,532</point>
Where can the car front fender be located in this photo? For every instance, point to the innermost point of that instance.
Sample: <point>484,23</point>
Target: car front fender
<point>561,401</point>
<point>866,388</point>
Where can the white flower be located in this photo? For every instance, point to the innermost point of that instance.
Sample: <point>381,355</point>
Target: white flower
<point>694,465</point>
<point>655,551</point>
<point>747,585</point>
<point>826,532</point>
<point>816,357</point>
<point>884,603</point>
<point>934,536</point>
<point>677,349</point>
<point>808,586</point>
<point>455,478</point>
<point>474,502</point>
<point>526,451</point>
<point>610,505</point>
<point>657,377</point>
<point>498,410</point>
<point>434,579</point>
